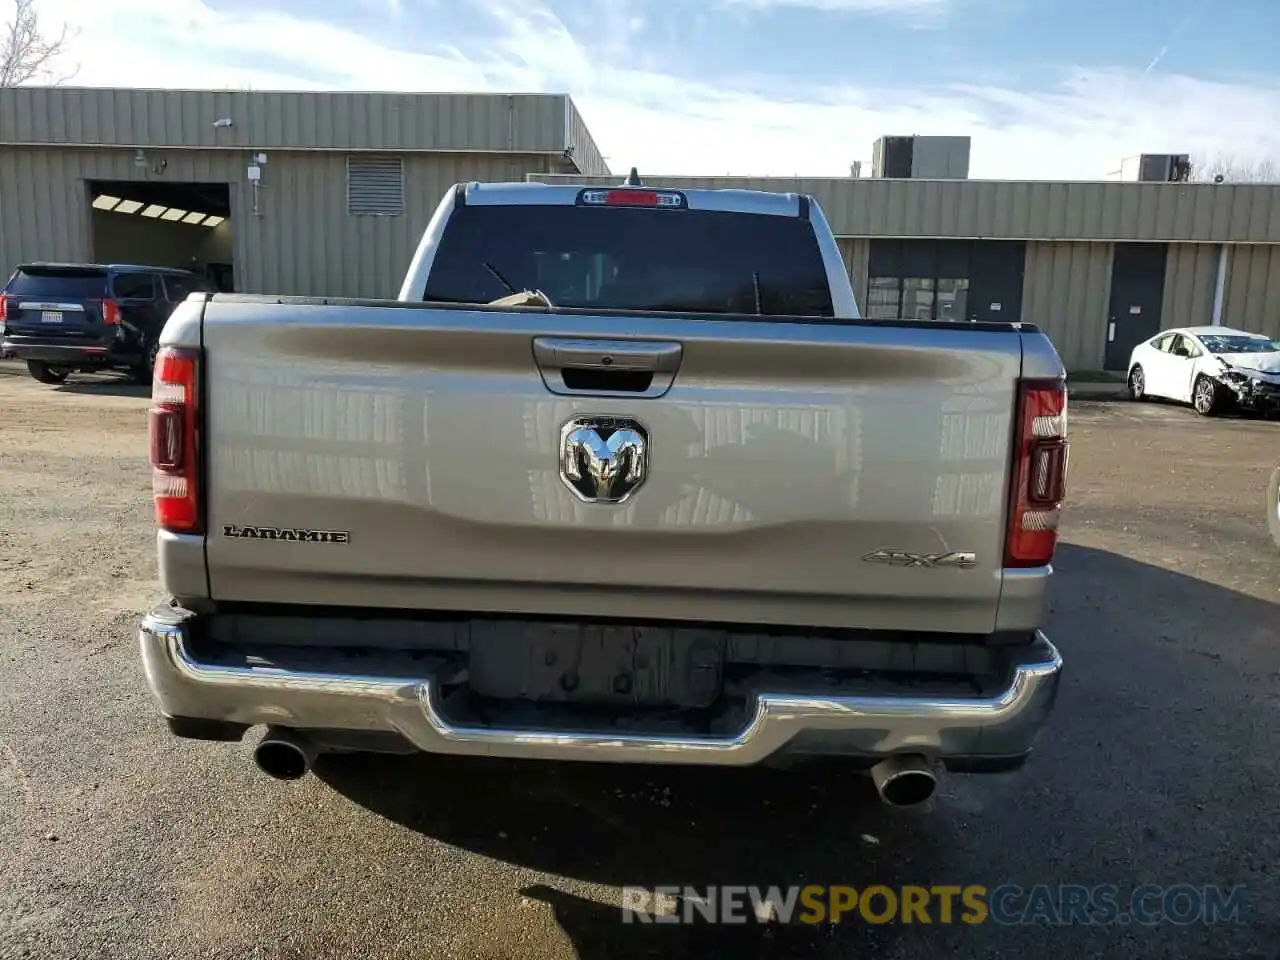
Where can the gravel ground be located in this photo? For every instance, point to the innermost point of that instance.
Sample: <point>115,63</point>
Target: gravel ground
<point>1160,765</point>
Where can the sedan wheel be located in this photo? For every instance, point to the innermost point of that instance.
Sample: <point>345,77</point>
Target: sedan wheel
<point>1137,384</point>
<point>1206,397</point>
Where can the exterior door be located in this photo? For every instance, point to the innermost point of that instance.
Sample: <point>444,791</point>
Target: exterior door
<point>996,268</point>
<point>1137,294</point>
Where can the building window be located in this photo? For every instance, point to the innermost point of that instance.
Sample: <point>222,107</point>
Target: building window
<point>919,280</point>
<point>884,298</point>
<point>957,280</point>
<point>917,298</point>
<point>953,298</point>
<point>375,186</point>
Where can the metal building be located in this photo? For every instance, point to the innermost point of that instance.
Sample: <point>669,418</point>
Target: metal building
<point>327,194</point>
<point>299,193</point>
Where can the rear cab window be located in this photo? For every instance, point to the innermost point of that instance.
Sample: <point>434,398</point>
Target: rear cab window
<point>57,283</point>
<point>626,258</point>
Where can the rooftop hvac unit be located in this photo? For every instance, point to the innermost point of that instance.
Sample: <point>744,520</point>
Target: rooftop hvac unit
<point>921,158</point>
<point>1155,168</point>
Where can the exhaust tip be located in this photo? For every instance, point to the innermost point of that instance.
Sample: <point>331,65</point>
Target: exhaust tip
<point>909,789</point>
<point>284,756</point>
<point>904,781</point>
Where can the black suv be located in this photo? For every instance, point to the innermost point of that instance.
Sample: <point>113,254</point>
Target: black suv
<point>61,317</point>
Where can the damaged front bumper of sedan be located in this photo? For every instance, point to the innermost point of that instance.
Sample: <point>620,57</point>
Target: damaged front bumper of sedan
<point>1252,391</point>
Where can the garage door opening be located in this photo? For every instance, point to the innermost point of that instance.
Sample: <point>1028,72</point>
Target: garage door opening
<point>183,225</point>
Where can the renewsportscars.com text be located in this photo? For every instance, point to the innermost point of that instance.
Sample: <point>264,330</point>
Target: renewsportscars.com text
<point>1008,904</point>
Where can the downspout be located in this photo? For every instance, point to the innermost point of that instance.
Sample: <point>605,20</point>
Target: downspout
<point>1220,287</point>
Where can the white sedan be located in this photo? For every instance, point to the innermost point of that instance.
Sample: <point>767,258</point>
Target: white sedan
<point>1210,368</point>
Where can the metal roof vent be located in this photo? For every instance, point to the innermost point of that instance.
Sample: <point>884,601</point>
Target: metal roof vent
<point>633,179</point>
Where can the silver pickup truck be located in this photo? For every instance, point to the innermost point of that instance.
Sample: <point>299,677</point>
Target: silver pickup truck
<point>621,476</point>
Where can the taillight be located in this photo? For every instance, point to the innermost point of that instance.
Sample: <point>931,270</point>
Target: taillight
<point>172,426</point>
<point>1040,473</point>
<point>4,307</point>
<point>111,313</point>
<point>669,199</point>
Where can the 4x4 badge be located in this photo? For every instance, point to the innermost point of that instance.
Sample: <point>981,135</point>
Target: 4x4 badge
<point>901,558</point>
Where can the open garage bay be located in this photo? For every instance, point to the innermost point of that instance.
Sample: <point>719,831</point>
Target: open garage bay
<point>160,224</point>
<point>1159,766</point>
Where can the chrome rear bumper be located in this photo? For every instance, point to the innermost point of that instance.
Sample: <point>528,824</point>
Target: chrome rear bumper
<point>998,727</point>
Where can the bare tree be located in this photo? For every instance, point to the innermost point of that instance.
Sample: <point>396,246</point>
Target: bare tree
<point>1234,170</point>
<point>28,52</point>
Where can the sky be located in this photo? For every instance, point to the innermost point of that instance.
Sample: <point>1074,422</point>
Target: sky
<point>1047,89</point>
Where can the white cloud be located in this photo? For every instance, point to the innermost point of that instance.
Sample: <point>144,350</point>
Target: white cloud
<point>185,43</point>
<point>1081,127</point>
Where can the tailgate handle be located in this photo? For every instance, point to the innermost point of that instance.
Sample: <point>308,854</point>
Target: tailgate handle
<point>633,368</point>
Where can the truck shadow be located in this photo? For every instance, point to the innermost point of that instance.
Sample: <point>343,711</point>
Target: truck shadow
<point>104,386</point>
<point>622,825</point>
<point>1155,660</point>
<point>99,384</point>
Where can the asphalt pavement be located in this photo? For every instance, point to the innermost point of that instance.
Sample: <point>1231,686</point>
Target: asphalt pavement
<point>1160,765</point>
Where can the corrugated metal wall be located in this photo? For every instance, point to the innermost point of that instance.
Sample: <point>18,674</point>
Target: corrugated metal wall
<point>1066,293</point>
<point>1191,272</point>
<point>44,203</point>
<point>1032,210</point>
<point>395,122</point>
<point>303,242</point>
<point>857,252</point>
<point>586,155</point>
<point>1053,211</point>
<point>1252,295</point>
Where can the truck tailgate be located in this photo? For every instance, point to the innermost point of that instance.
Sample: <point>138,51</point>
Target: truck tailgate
<point>411,457</point>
